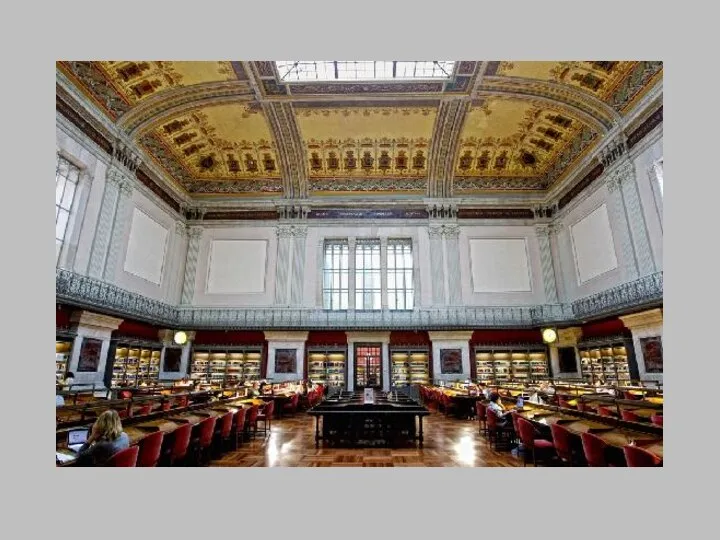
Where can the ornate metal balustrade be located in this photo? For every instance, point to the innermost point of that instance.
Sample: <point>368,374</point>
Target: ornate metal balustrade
<point>646,290</point>
<point>88,292</point>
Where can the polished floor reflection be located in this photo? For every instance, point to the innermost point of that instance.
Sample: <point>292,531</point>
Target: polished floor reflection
<point>448,443</point>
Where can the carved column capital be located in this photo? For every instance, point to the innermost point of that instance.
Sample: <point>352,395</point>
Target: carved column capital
<point>291,231</point>
<point>126,187</point>
<point>114,176</point>
<point>623,172</point>
<point>195,232</point>
<point>446,230</point>
<point>554,228</point>
<point>181,229</point>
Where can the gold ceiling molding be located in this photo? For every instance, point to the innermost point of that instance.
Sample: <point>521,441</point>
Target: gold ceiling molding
<point>446,135</point>
<point>285,130</point>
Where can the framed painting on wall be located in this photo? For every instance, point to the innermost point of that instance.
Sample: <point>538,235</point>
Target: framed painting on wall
<point>89,354</point>
<point>652,354</point>
<point>171,361</point>
<point>285,360</point>
<point>450,361</point>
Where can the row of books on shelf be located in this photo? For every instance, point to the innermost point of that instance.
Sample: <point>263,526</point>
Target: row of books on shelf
<point>410,368</point>
<point>504,365</point>
<point>217,367</point>
<point>62,358</point>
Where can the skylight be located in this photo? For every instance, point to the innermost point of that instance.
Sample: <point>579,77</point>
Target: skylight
<point>364,70</point>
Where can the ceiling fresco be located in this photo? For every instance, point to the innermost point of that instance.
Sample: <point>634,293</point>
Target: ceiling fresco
<point>366,142</point>
<point>507,137</point>
<point>220,128</point>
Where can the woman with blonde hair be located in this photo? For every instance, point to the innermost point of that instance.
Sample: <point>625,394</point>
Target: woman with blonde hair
<point>106,439</point>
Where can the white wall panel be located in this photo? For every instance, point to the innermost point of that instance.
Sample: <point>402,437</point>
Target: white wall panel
<point>146,247</point>
<point>593,245</point>
<point>237,266</point>
<point>499,265</point>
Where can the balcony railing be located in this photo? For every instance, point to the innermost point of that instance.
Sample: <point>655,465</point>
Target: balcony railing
<point>93,293</point>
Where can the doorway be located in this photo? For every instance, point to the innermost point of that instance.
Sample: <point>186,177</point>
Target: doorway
<point>368,366</point>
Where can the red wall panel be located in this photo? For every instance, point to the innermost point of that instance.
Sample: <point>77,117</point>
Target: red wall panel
<point>507,336</point>
<point>607,327</point>
<point>229,337</point>
<point>319,337</point>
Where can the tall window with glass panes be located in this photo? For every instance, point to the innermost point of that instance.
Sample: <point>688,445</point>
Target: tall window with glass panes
<point>66,181</point>
<point>365,272</point>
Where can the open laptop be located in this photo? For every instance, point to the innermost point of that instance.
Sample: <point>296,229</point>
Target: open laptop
<point>76,438</point>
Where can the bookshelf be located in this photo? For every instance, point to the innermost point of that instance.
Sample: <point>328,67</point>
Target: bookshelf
<point>135,363</point>
<point>327,365</point>
<point>409,366</point>
<point>223,366</point>
<point>611,359</point>
<point>505,363</point>
<point>63,351</point>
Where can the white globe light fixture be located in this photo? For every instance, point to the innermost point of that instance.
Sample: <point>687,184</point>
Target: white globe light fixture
<point>180,338</point>
<point>549,335</point>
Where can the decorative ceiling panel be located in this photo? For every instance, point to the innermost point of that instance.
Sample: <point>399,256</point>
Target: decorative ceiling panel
<point>367,142</point>
<point>507,137</point>
<point>223,143</point>
<point>136,81</point>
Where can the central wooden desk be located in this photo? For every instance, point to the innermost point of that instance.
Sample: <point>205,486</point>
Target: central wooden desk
<point>352,422</point>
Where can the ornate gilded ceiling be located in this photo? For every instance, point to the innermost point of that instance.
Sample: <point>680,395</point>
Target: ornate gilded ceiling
<point>233,128</point>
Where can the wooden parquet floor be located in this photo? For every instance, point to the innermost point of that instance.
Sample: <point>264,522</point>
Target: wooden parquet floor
<point>448,442</point>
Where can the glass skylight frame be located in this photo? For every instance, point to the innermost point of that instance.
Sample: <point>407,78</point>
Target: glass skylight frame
<point>303,71</point>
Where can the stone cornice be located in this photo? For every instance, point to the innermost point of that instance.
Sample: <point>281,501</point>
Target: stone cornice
<point>636,321</point>
<point>450,336</point>
<point>285,336</point>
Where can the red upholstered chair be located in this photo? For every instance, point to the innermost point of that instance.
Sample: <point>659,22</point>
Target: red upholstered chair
<point>292,405</point>
<point>481,414</point>
<point>639,457</point>
<point>123,413</point>
<point>530,443</point>
<point>561,441</point>
<point>144,410</point>
<point>265,416</point>
<point>630,416</point>
<point>239,426</point>
<point>150,447</point>
<point>124,394</point>
<point>181,443</point>
<point>124,458</point>
<point>657,419</point>
<point>594,449</point>
<point>166,405</point>
<point>251,416</point>
<point>514,415</point>
<point>605,411</point>
<point>206,431</point>
<point>496,433</point>
<point>225,424</point>
<point>628,395</point>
